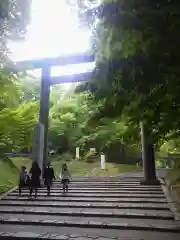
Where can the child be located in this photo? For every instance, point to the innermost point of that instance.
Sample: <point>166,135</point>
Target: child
<point>28,180</point>
<point>22,179</point>
<point>48,177</point>
<point>65,177</point>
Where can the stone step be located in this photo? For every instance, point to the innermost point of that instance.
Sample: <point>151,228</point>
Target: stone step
<point>101,185</point>
<point>120,180</point>
<point>134,181</point>
<point>28,232</point>
<point>88,222</point>
<point>107,188</point>
<point>103,205</point>
<point>103,180</point>
<point>96,185</point>
<point>106,195</point>
<point>86,212</point>
<point>93,206</point>
<point>44,190</point>
<point>97,177</point>
<point>89,199</point>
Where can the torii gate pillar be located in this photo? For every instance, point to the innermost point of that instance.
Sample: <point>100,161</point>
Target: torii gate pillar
<point>44,108</point>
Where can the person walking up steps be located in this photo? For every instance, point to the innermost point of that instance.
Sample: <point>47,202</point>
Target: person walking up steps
<point>65,177</point>
<point>48,177</point>
<point>35,178</point>
<point>22,179</point>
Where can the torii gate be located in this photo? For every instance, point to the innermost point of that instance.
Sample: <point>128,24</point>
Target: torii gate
<point>46,80</point>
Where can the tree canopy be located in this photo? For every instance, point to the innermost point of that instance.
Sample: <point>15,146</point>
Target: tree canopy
<point>137,57</point>
<point>14,16</point>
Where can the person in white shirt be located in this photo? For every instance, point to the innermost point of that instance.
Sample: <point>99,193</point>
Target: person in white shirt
<point>65,177</point>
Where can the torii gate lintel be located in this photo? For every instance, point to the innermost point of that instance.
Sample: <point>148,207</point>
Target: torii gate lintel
<point>40,63</point>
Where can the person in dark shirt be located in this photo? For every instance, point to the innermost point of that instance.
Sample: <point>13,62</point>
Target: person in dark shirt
<point>48,177</point>
<point>35,178</point>
<point>22,179</point>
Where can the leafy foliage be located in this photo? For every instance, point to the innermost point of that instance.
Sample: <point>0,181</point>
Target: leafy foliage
<point>16,121</point>
<point>73,125</point>
<point>137,59</point>
<point>17,125</point>
<point>14,16</point>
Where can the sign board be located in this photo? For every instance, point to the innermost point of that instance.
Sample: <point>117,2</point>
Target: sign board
<point>92,150</point>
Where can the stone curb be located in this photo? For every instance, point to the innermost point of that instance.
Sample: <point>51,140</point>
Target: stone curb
<point>145,192</point>
<point>121,188</point>
<point>101,186</point>
<point>8,192</point>
<point>117,180</point>
<point>47,236</point>
<point>91,224</point>
<point>93,214</point>
<point>103,183</point>
<point>171,199</point>
<point>65,198</point>
<point>141,188</point>
<point>152,196</point>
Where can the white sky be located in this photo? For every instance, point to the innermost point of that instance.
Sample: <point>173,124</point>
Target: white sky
<point>53,31</point>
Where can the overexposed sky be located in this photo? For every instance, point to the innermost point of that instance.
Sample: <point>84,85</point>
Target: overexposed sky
<point>53,31</point>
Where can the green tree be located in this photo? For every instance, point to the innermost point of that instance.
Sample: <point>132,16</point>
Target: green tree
<point>14,16</point>
<point>16,122</point>
<point>137,62</point>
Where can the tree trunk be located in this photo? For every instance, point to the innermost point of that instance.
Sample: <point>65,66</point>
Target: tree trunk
<point>148,157</point>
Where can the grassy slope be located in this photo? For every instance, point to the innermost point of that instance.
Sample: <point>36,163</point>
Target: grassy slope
<point>21,161</point>
<point>81,168</point>
<point>8,175</point>
<point>173,178</point>
<point>9,172</point>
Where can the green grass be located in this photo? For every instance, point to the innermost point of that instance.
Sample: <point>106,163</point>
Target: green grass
<point>9,172</point>
<point>9,169</point>
<point>173,176</point>
<point>173,179</point>
<point>21,161</point>
<point>8,175</point>
<point>81,168</point>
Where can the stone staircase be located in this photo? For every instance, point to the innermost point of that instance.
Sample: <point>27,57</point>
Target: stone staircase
<point>100,208</point>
